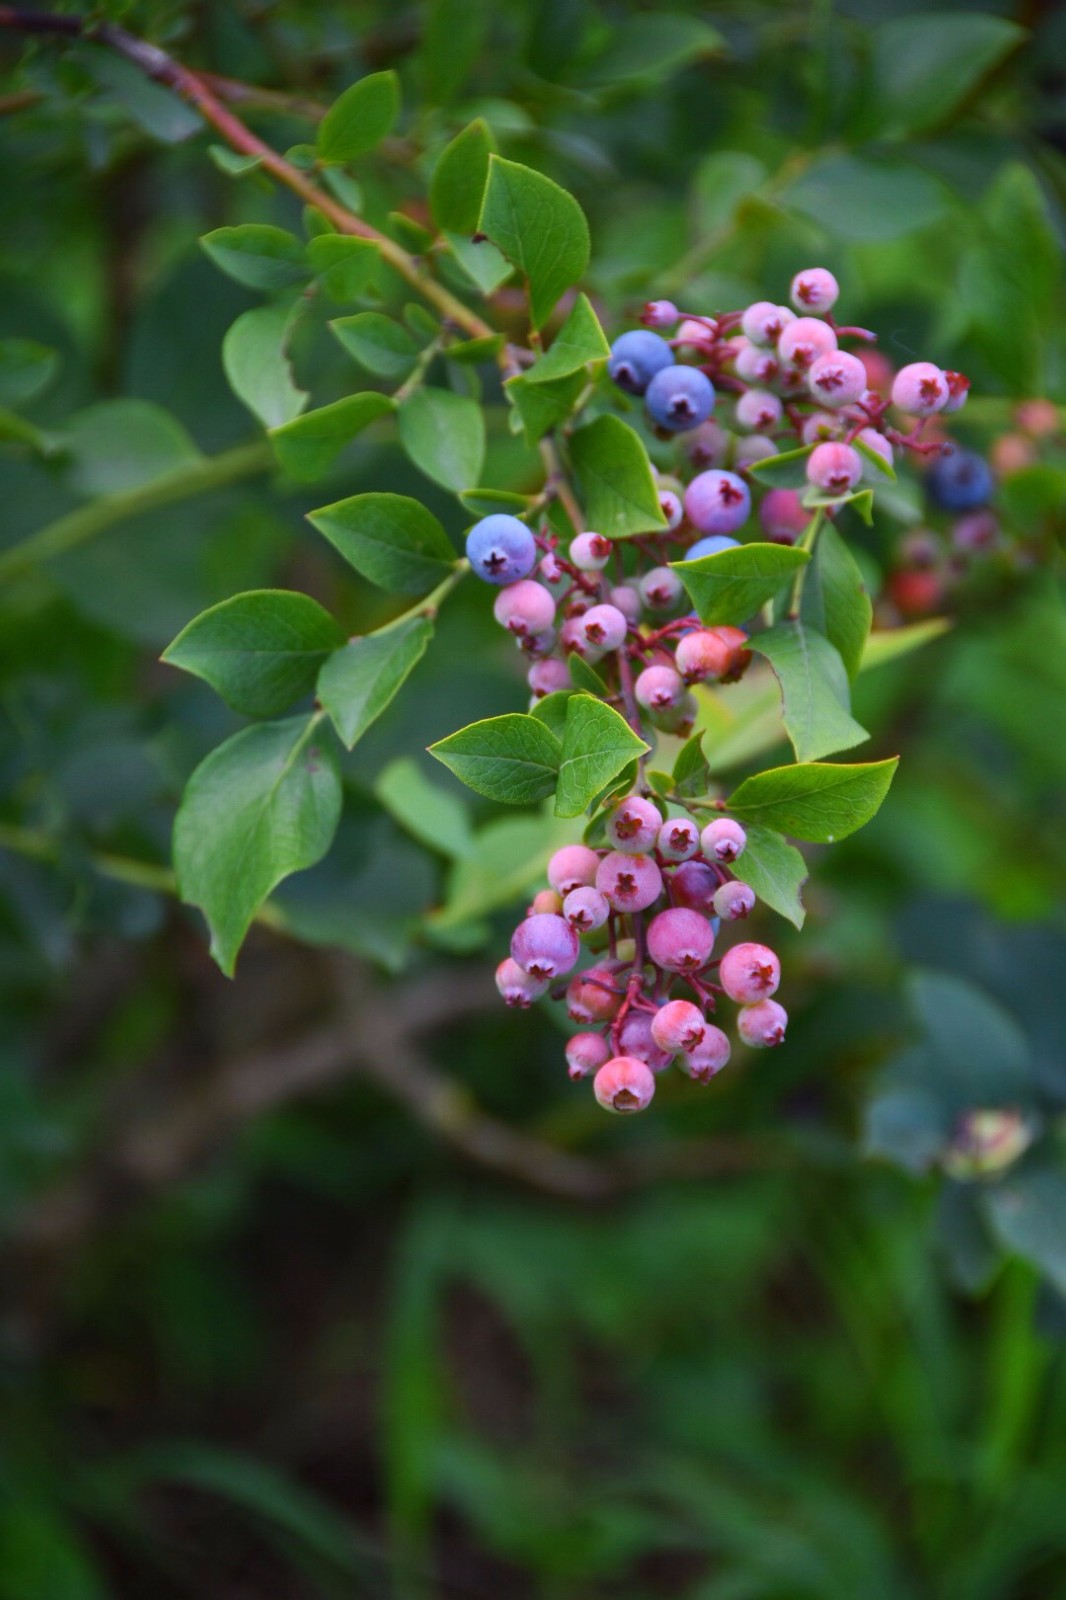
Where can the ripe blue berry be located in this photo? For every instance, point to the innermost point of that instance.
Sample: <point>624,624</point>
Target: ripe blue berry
<point>635,359</point>
<point>723,839</point>
<point>624,1085</point>
<point>960,482</point>
<point>633,826</point>
<point>680,940</point>
<point>679,398</point>
<point>717,502</point>
<point>501,549</point>
<point>711,546</point>
<point>545,945</point>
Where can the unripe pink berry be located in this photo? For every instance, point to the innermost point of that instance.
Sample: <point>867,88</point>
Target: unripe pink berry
<point>755,447</point>
<point>749,972</point>
<point>659,689</point>
<point>585,909</point>
<point>518,988</point>
<point>680,940</point>
<point>782,515</point>
<point>694,885</point>
<point>524,607</point>
<point>1012,452</point>
<point>763,322</point>
<point>624,1085</point>
<point>804,340</point>
<point>837,379</point>
<point>678,1025</point>
<point>590,552</point>
<point>627,600</point>
<point>672,509</point>
<point>958,392</point>
<point>550,571</point>
<point>659,314</point>
<point>635,1039</point>
<point>702,655</point>
<point>706,1059</point>
<point>763,1024</point>
<point>707,445</point>
<point>633,826</point>
<point>697,335</point>
<point>758,409</point>
<point>723,839</point>
<point>604,627</point>
<point>661,589</point>
<point>679,839</point>
<point>820,426</point>
<point>814,289</point>
<point>573,640</point>
<point>585,1053</point>
<point>678,720</point>
<point>572,867</point>
<point>920,389</point>
<point>734,900</point>
<point>1040,418</point>
<point>593,996</point>
<point>755,365</point>
<point>547,900</point>
<point>546,677</point>
<point>631,883</point>
<point>545,945</point>
<point>834,468</point>
<point>875,441</point>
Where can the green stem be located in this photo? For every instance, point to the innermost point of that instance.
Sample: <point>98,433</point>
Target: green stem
<point>431,604</point>
<point>805,542</point>
<point>78,527</point>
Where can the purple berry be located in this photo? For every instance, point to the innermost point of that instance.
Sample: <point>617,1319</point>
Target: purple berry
<point>975,533</point>
<point>755,365</point>
<point>815,289</point>
<point>547,900</point>
<point>545,945</point>
<point>749,972</point>
<point>758,409</point>
<point>723,839</point>
<point>717,502</point>
<point>546,677</point>
<point>590,552</point>
<point>920,389</point>
<point>635,359</point>
<point>500,549</point>
<point>694,885</point>
<point>660,314</point>
<point>680,940</point>
<point>661,589</point>
<point>573,640</point>
<point>635,1039</point>
<point>633,826</point>
<point>593,996</point>
<point>764,323</point>
<point>624,1085</point>
<point>763,1024</point>
<point>837,379</point>
<point>678,1025</point>
<point>962,481</point>
<point>708,445</point>
<point>659,689</point>
<point>834,468</point>
<point>679,839</point>
<point>755,447</point>
<point>586,909</point>
<point>804,340</point>
<point>631,883</point>
<point>524,608</point>
<point>518,988</point>
<point>679,398</point>
<point>585,1053</point>
<point>672,509</point>
<point>604,627</point>
<point>628,601</point>
<point>572,867</point>
<point>734,900</point>
<point>783,516</point>
<point>706,1059</point>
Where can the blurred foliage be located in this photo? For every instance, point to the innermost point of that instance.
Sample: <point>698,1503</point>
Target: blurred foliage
<point>315,1352</point>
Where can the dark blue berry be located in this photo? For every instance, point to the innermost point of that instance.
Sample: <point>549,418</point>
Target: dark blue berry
<point>679,398</point>
<point>961,482</point>
<point>635,359</point>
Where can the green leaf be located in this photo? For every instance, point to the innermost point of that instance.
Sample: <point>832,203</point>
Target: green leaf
<point>722,182</point>
<point>378,343</point>
<point>452,36</point>
<point>785,471</point>
<point>620,495</point>
<point>732,585</point>
<point>260,651</point>
<point>257,366</point>
<point>652,44</point>
<point>923,67</point>
<point>543,406</point>
<point>357,682</point>
<point>231,162</point>
<point>458,183</point>
<point>884,469</point>
<point>889,643</point>
<point>153,107</point>
<point>586,678</point>
<point>343,265</point>
<point>814,689</point>
<point>509,857</point>
<point>431,814</point>
<point>775,870</point>
<point>551,710</point>
<point>692,775</point>
<point>444,435</point>
<point>257,255</point>
<point>307,445</point>
<point>475,352</point>
<point>26,368</point>
<point>579,341</point>
<point>834,598</point>
<point>485,266</point>
<point>539,227</point>
<point>118,445</point>
<point>865,200</point>
<point>821,801</point>
<point>1015,262</point>
<point>514,758</point>
<point>360,119</point>
<point>483,502</point>
<point>1027,1211</point>
<point>980,1055</point>
<point>390,538</point>
<point>861,502</point>
<point>263,805</point>
<point>598,744</point>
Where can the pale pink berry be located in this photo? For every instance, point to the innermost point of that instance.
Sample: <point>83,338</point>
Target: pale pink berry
<point>572,867</point>
<point>585,909</point>
<point>706,1059</point>
<point>703,655</point>
<point>585,1053</point>
<point>545,945</point>
<point>834,468</point>
<point>783,516</point>
<point>678,720</point>
<point>524,608</point>
<point>518,988</point>
<point>661,589</point>
<point>749,972</point>
<point>804,340</point>
<point>697,335</point>
<point>694,885</point>
<point>573,640</point>
<point>707,445</point>
<point>680,940</point>
<point>604,627</point>
<point>679,839</point>
<point>920,389</point>
<point>763,322</point>
<point>550,570</point>
<point>734,900</point>
<point>755,365</point>
<point>814,289</point>
<point>754,447</point>
<point>590,552</point>
<point>820,426</point>
<point>635,1039</point>
<point>958,393</point>
<point>763,1024</point>
<point>547,900</point>
<point>671,508</point>
<point>627,600</point>
<point>723,839</point>
<point>678,1025</point>
<point>547,677</point>
<point>633,826</point>
<point>758,409</point>
<point>875,441</point>
<point>631,883</point>
<point>659,689</point>
<point>593,996</point>
<point>624,1085</point>
<point>659,314</point>
<point>837,379</point>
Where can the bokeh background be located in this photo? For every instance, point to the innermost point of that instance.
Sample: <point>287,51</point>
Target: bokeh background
<point>325,1282</point>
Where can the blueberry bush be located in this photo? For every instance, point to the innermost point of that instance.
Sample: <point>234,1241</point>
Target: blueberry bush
<point>576,489</point>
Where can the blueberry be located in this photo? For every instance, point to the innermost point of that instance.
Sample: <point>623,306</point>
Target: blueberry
<point>711,546</point>
<point>960,482</point>
<point>501,549</point>
<point>679,398</point>
<point>635,359</point>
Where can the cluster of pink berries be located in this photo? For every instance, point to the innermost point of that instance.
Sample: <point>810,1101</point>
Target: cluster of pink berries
<point>646,910</point>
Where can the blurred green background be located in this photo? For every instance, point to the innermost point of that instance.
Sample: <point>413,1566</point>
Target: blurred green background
<point>326,1282</point>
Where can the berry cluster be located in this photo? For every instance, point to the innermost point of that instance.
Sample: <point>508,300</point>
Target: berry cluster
<point>647,911</point>
<point>647,907</point>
